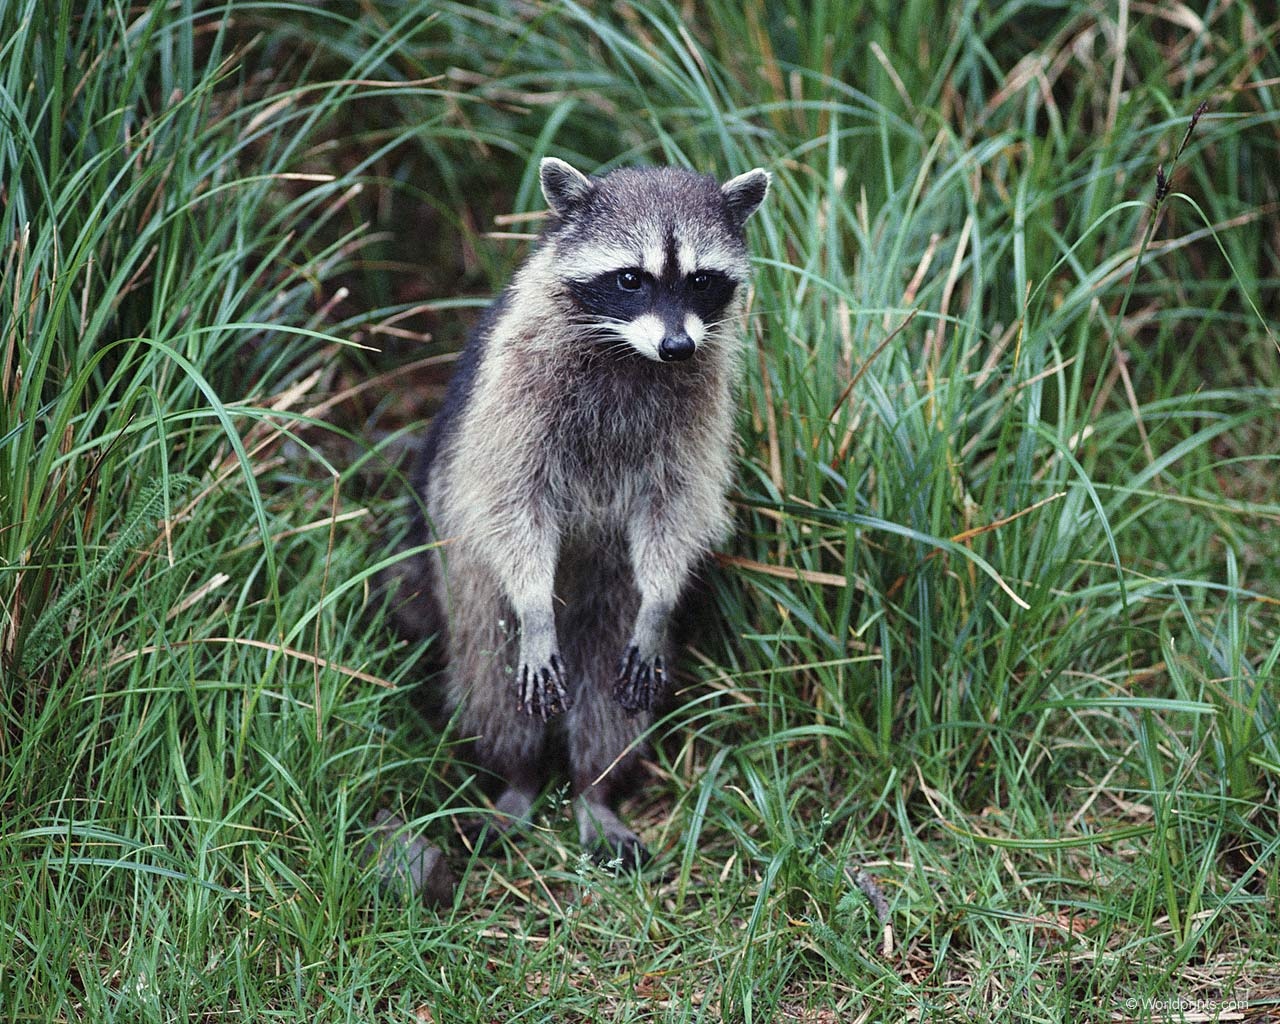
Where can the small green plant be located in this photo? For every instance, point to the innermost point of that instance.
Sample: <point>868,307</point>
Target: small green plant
<point>48,632</point>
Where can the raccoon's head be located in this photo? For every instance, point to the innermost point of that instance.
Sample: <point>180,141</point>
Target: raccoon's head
<point>653,258</point>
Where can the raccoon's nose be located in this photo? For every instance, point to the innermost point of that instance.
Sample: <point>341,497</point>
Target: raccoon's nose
<point>676,346</point>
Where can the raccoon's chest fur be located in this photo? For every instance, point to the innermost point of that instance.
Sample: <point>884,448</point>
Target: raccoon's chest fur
<point>617,431</point>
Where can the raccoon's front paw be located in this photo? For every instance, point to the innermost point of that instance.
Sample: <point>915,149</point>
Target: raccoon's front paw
<point>541,689</point>
<point>624,851</point>
<point>640,681</point>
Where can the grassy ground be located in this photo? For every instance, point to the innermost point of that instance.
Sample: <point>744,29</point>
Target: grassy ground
<point>1000,625</point>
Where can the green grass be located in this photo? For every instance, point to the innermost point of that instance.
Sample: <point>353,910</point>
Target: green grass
<point>1000,623</point>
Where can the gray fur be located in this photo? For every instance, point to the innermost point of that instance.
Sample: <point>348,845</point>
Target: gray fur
<point>574,483</point>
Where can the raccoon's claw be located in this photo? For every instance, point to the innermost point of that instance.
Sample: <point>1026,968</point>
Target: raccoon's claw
<point>639,682</point>
<point>542,691</point>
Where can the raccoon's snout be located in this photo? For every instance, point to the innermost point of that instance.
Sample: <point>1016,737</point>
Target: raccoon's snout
<point>675,347</point>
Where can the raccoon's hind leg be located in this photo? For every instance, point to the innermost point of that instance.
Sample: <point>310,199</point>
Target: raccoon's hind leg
<point>410,587</point>
<point>604,742</point>
<point>604,752</point>
<point>507,744</point>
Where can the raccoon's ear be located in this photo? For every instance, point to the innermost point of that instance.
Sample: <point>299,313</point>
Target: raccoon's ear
<point>563,187</point>
<point>744,194</point>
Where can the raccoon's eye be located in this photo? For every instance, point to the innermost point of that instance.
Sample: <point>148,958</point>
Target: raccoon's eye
<point>700,281</point>
<point>629,280</point>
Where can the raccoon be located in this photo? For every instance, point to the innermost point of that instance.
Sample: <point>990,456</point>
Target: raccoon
<point>575,476</point>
